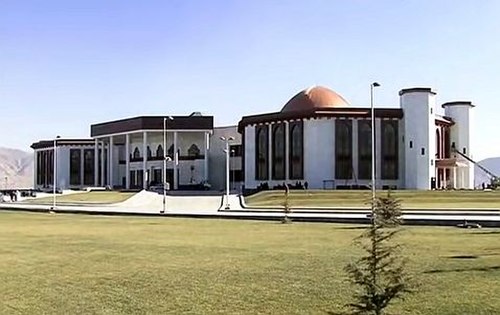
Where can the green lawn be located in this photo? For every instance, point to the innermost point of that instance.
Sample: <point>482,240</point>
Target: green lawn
<point>93,197</point>
<point>77,264</point>
<point>360,198</point>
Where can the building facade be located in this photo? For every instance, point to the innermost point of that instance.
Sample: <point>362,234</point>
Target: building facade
<point>129,154</point>
<point>319,139</point>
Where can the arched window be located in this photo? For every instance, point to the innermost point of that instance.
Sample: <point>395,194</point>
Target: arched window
<point>343,149</point>
<point>149,152</point>
<point>364,149</point>
<point>390,149</point>
<point>261,153</point>
<point>390,142</point>
<point>296,159</point>
<point>447,147</point>
<point>137,153</point>
<point>159,151</point>
<point>170,151</point>
<point>438,144</point>
<point>193,151</point>
<point>278,151</point>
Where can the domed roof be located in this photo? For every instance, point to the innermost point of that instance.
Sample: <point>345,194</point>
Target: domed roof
<point>316,97</point>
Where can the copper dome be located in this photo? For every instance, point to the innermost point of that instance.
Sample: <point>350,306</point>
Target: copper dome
<point>317,97</point>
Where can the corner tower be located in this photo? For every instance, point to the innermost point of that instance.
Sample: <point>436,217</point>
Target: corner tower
<point>419,112</point>
<point>460,137</point>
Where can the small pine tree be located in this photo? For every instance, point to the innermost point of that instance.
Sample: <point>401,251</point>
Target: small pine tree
<point>380,275</point>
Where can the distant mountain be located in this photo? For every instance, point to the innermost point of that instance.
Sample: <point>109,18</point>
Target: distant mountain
<point>491,164</point>
<point>16,168</point>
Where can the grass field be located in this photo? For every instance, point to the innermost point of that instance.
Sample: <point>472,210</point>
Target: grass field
<point>93,197</point>
<point>73,264</point>
<point>359,198</point>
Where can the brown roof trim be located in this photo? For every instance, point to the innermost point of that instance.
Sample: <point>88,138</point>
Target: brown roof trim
<point>458,103</point>
<point>348,112</point>
<point>444,121</point>
<point>416,89</point>
<point>151,123</point>
<point>44,144</point>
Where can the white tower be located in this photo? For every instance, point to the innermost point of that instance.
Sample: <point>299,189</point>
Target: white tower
<point>460,137</point>
<point>419,110</point>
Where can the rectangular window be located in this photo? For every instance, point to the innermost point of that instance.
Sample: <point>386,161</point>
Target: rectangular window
<point>140,178</point>
<point>423,151</point>
<point>236,150</point>
<point>88,167</point>
<point>157,176</point>
<point>39,168</point>
<point>343,149</point>
<point>261,152</point>
<point>132,179</point>
<point>296,150</point>
<point>237,176</point>
<point>411,144</point>
<point>364,149</point>
<point>74,167</point>
<point>390,149</point>
<point>278,151</point>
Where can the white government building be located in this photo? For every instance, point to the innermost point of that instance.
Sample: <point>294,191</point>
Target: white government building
<point>317,139</point>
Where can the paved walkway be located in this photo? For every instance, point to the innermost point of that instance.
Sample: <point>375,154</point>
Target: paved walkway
<point>148,203</point>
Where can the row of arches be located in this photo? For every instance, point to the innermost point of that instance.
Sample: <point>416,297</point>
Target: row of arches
<point>278,152</point>
<point>193,152</point>
<point>343,150</point>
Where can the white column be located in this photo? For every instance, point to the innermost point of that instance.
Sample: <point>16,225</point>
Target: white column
<point>205,166</point>
<point>144,159</point>
<point>96,162</point>
<point>111,164</point>
<point>454,177</point>
<point>127,161</point>
<point>82,165</point>
<point>270,152</point>
<point>287,151</point>
<point>175,158</point>
<point>462,177</point>
<point>102,163</point>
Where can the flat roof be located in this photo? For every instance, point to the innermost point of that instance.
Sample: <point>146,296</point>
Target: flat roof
<point>192,122</point>
<point>44,144</point>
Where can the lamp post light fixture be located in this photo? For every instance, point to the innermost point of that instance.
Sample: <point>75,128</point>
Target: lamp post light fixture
<point>54,188</point>
<point>226,150</point>
<point>372,86</point>
<point>165,158</point>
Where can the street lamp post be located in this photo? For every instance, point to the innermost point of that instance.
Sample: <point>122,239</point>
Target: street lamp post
<point>165,119</point>
<point>373,85</point>
<point>231,178</point>
<point>55,174</point>
<point>226,150</point>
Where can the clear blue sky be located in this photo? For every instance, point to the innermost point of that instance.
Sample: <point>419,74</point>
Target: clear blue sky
<point>67,64</point>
